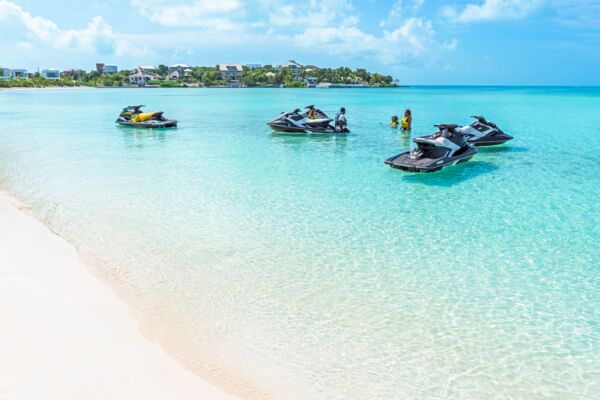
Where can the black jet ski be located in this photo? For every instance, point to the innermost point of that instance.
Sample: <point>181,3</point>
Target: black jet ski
<point>297,122</point>
<point>133,116</point>
<point>484,133</point>
<point>446,147</point>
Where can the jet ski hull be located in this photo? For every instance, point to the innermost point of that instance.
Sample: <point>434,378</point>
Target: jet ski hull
<point>150,123</point>
<point>405,163</point>
<point>295,129</point>
<point>492,141</point>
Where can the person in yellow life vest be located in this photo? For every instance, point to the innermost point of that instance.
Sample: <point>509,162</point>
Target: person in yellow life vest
<point>406,123</point>
<point>312,114</point>
<point>394,123</point>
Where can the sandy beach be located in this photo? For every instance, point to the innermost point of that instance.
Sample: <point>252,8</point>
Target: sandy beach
<point>65,335</point>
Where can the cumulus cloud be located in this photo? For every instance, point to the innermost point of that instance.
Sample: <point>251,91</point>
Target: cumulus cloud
<point>492,10</point>
<point>190,13</point>
<point>33,31</point>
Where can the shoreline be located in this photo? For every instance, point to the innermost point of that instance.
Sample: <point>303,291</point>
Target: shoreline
<point>66,334</point>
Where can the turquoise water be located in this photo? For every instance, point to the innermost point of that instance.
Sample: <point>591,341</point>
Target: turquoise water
<point>303,267</point>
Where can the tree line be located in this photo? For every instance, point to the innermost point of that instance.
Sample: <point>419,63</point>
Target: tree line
<point>210,76</point>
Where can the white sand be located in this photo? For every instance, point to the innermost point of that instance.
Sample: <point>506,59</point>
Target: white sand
<point>65,335</point>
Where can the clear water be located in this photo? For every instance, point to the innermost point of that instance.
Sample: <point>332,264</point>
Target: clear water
<point>303,267</point>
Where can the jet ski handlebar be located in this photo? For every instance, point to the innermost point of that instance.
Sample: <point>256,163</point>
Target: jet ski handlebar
<point>446,126</point>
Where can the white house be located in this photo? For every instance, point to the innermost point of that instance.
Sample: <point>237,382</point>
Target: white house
<point>148,68</point>
<point>178,67</point>
<point>270,74</point>
<point>140,77</point>
<point>187,73</point>
<point>174,75</point>
<point>231,72</point>
<point>7,73</point>
<point>51,73</point>
<point>292,65</point>
<point>109,69</point>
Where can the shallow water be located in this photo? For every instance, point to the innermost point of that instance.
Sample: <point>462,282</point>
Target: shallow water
<point>303,267</point>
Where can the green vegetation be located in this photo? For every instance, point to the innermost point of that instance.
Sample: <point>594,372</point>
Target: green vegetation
<point>294,84</point>
<point>210,76</point>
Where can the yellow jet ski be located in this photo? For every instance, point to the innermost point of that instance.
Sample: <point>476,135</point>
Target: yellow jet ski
<point>133,116</point>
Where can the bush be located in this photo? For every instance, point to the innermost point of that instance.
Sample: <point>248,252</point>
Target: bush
<point>170,84</point>
<point>295,84</point>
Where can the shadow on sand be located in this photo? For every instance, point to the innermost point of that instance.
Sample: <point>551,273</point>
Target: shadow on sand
<point>450,176</point>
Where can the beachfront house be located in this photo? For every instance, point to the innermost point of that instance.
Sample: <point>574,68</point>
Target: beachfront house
<point>173,76</point>
<point>73,72</point>
<point>187,73</point>
<point>291,65</point>
<point>232,74</point>
<point>51,73</point>
<point>7,73</point>
<point>140,77</point>
<point>149,69</point>
<point>253,66</point>
<point>178,67</point>
<point>311,81</point>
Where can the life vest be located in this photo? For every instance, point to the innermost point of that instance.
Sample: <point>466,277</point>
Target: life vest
<point>394,124</point>
<point>404,123</point>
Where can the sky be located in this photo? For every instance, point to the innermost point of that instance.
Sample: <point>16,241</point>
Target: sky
<point>473,42</point>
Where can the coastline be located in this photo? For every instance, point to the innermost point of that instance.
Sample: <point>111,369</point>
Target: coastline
<point>65,334</point>
<point>45,87</point>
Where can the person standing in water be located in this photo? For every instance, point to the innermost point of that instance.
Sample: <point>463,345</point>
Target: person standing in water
<point>406,124</point>
<point>340,121</point>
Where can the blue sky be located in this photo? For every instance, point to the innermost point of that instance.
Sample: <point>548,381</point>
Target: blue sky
<point>501,42</point>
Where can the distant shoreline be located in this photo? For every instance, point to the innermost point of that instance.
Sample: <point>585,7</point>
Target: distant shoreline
<point>212,87</point>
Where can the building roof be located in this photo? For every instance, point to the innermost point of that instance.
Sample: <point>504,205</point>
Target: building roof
<point>224,67</point>
<point>187,70</point>
<point>310,67</point>
<point>179,66</point>
<point>50,69</point>
<point>290,63</point>
<point>270,73</point>
<point>146,67</point>
<point>140,72</point>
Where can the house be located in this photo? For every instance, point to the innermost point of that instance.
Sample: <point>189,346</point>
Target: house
<point>231,72</point>
<point>178,67</point>
<point>270,74</point>
<point>109,69</point>
<point>51,73</point>
<point>253,66</point>
<point>7,73</point>
<point>148,68</point>
<point>311,80</point>
<point>73,72</point>
<point>308,68</point>
<point>292,65</point>
<point>173,76</point>
<point>187,73</point>
<point>19,73</point>
<point>140,77</point>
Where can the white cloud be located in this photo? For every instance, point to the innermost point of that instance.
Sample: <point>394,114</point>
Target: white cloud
<point>36,31</point>
<point>187,13</point>
<point>493,10</point>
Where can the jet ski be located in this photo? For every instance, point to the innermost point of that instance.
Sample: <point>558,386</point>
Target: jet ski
<point>446,147</point>
<point>484,133</point>
<point>301,122</point>
<point>133,116</point>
